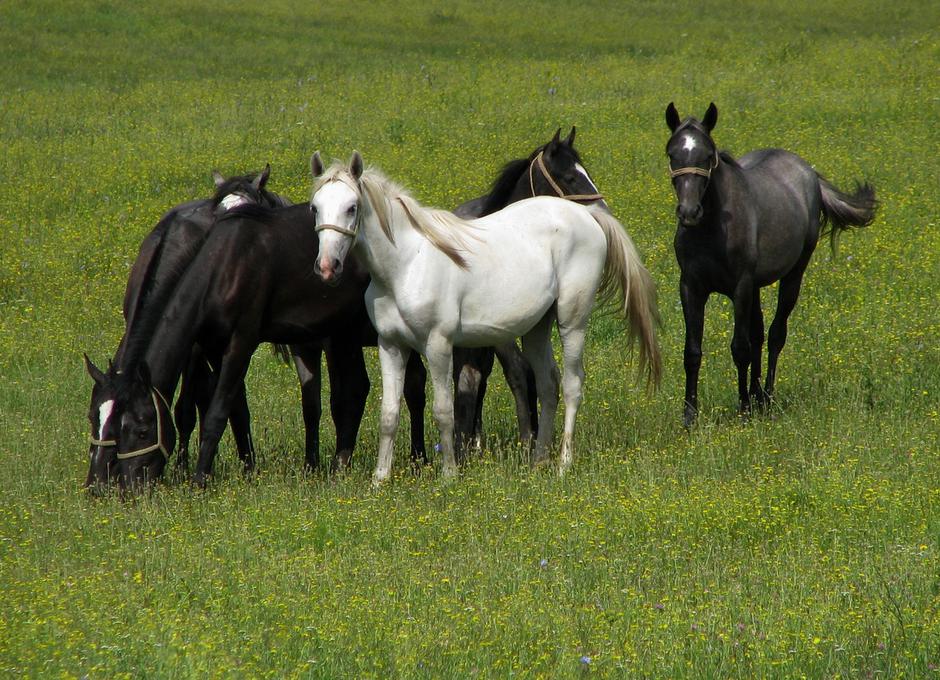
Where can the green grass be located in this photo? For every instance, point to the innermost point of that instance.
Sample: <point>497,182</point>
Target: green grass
<point>801,544</point>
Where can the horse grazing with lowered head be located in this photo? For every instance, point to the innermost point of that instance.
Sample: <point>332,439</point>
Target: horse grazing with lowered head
<point>552,169</point>
<point>251,281</point>
<point>742,225</point>
<point>164,251</point>
<point>439,281</point>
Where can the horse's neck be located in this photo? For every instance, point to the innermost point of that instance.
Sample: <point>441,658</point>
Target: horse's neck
<point>387,261</point>
<point>172,342</point>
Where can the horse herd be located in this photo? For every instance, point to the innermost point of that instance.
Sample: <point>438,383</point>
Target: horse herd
<point>364,264</point>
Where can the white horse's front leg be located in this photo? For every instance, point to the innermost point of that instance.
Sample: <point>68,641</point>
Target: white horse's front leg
<point>393,359</point>
<point>440,355</point>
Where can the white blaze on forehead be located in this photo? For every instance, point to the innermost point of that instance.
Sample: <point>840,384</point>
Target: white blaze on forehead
<point>233,201</point>
<point>332,201</point>
<point>104,414</point>
<point>688,143</point>
<point>580,168</point>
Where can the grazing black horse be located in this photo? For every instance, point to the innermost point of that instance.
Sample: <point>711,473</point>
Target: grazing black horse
<point>252,281</point>
<point>553,169</point>
<point>164,251</point>
<point>741,226</point>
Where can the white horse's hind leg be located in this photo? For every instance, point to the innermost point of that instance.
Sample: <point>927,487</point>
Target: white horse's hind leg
<point>392,359</point>
<point>537,348</point>
<point>572,343</point>
<point>440,355</point>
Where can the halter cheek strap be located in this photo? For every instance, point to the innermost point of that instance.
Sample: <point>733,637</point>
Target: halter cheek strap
<point>154,393</point>
<point>540,163</point>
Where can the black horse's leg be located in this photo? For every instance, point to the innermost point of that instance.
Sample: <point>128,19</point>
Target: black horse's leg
<point>693,311</point>
<point>230,384</point>
<point>787,294</point>
<point>468,381</point>
<point>349,388</point>
<point>193,390</point>
<point>307,363</point>
<point>239,415</point>
<point>416,378</point>
<point>741,339</point>
<point>240,419</point>
<point>757,347</point>
<point>521,381</point>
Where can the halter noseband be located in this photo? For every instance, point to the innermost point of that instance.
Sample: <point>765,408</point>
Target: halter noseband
<point>540,162</point>
<point>154,393</point>
<point>693,170</point>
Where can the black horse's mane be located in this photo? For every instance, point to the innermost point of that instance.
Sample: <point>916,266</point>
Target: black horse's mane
<point>157,298</point>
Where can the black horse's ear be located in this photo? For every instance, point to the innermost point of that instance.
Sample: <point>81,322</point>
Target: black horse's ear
<point>218,179</point>
<point>570,140</point>
<point>262,179</point>
<point>556,140</point>
<point>316,165</point>
<point>711,117</point>
<point>672,117</point>
<point>355,165</point>
<point>93,370</point>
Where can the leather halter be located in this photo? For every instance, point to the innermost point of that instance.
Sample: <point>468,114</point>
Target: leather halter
<point>540,162</point>
<point>154,393</point>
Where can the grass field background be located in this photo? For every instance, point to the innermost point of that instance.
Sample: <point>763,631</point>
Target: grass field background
<point>801,544</point>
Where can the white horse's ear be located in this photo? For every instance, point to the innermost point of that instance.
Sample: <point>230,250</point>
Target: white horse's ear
<point>355,165</point>
<point>218,179</point>
<point>262,179</point>
<point>316,164</point>
<point>570,140</point>
<point>711,117</point>
<point>672,117</point>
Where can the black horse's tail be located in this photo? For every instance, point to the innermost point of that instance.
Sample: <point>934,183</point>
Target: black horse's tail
<point>842,211</point>
<point>282,352</point>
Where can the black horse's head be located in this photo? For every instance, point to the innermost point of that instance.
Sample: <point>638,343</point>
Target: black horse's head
<point>556,170</point>
<point>693,157</point>
<point>146,434</point>
<point>102,442</point>
<point>244,190</point>
<point>553,169</point>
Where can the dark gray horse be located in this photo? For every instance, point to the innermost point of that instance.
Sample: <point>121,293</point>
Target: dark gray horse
<point>743,225</point>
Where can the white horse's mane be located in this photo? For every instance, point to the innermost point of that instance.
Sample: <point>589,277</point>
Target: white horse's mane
<point>447,232</point>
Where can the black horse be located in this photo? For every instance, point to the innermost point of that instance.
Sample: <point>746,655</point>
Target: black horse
<point>252,281</point>
<point>741,226</point>
<point>553,169</point>
<point>163,252</point>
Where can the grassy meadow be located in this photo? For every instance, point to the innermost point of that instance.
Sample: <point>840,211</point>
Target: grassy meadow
<point>805,543</point>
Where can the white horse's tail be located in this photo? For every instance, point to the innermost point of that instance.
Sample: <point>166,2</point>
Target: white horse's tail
<point>626,279</point>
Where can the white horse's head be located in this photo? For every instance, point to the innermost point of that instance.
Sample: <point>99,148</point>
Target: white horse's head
<point>336,204</point>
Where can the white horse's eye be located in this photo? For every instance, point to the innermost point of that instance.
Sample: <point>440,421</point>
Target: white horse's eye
<point>351,211</point>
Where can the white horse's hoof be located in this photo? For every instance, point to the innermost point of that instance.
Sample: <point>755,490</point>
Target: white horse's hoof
<point>449,472</point>
<point>378,481</point>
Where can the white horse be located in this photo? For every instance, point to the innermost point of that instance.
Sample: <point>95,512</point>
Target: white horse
<point>439,281</point>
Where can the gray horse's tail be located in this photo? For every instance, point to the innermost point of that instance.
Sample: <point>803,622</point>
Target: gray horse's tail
<point>842,211</point>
